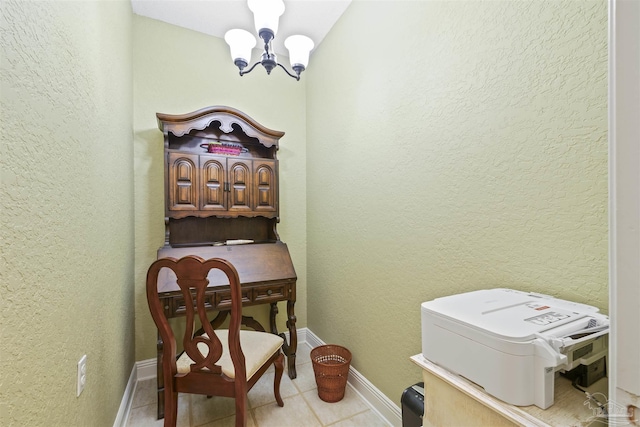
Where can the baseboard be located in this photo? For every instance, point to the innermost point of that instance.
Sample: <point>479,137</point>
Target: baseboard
<point>369,393</point>
<point>301,335</point>
<point>127,399</point>
<point>312,339</point>
<point>146,369</point>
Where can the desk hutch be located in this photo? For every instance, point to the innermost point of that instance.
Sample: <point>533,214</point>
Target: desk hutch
<point>221,200</point>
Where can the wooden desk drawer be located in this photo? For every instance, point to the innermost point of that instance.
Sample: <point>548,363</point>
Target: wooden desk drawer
<point>223,298</point>
<point>214,300</point>
<point>218,298</point>
<point>270,293</point>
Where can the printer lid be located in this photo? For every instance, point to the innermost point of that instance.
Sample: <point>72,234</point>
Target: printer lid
<point>510,314</point>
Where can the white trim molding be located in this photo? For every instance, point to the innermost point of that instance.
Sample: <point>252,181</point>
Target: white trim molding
<point>146,369</point>
<point>127,399</point>
<point>623,364</point>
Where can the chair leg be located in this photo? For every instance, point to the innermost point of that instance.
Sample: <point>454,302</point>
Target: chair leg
<point>241,410</point>
<point>279,365</point>
<point>170,408</point>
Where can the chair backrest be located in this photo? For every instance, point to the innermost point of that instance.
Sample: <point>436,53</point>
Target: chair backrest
<point>191,273</point>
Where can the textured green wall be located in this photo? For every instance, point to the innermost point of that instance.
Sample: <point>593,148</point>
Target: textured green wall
<point>66,226</point>
<point>452,146</point>
<point>178,71</point>
<point>464,149</point>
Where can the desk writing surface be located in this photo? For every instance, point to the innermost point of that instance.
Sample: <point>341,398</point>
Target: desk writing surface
<point>258,262</point>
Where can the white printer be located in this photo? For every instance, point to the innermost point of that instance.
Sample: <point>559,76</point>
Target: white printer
<point>512,343</point>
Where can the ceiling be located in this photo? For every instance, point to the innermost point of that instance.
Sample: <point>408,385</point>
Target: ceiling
<point>312,18</point>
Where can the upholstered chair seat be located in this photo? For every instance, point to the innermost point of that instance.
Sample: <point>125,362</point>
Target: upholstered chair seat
<point>263,346</point>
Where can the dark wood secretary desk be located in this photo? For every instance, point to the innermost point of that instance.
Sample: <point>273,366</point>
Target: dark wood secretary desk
<point>221,200</point>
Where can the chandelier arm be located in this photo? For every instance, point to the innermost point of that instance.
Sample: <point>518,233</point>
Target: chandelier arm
<point>287,71</point>
<point>243,72</point>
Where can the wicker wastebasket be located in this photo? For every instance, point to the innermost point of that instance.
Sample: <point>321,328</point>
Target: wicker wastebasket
<point>331,369</point>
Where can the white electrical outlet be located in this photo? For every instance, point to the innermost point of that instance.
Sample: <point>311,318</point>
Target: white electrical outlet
<point>82,374</point>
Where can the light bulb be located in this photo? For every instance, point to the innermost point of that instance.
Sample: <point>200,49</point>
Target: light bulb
<point>240,43</point>
<point>299,48</point>
<point>266,14</point>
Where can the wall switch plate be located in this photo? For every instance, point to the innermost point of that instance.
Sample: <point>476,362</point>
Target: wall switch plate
<point>82,374</point>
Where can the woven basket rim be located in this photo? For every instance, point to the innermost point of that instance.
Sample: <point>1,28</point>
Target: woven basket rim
<point>319,349</point>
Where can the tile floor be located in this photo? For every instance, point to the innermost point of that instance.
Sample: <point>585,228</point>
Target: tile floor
<point>302,406</point>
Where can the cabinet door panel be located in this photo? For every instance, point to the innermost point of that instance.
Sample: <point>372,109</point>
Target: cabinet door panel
<point>265,187</point>
<point>183,173</point>
<point>240,186</point>
<point>212,177</point>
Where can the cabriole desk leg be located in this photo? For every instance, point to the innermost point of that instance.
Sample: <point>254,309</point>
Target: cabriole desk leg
<point>291,347</point>
<point>293,339</point>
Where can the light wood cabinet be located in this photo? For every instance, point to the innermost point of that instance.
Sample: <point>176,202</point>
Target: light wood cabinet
<point>452,400</point>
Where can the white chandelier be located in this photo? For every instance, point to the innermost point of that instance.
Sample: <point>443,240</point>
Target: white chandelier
<point>266,14</point>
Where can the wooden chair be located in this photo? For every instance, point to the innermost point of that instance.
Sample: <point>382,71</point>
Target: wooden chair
<point>218,362</point>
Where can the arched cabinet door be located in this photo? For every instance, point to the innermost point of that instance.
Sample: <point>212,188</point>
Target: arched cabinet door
<point>240,185</point>
<point>265,186</point>
<point>212,173</point>
<point>182,186</point>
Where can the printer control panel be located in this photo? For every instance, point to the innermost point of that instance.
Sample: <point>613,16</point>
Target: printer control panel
<point>547,318</point>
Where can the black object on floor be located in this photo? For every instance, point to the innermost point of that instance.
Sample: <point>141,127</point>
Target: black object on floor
<point>413,405</point>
